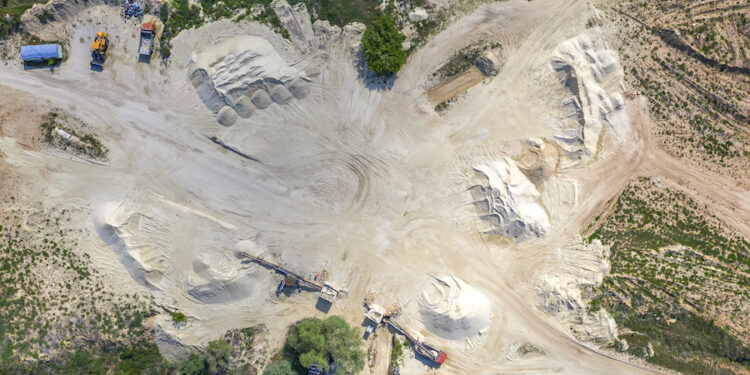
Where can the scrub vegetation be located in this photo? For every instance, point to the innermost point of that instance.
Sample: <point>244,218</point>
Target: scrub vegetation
<point>56,314</point>
<point>691,62</point>
<point>341,12</point>
<point>679,286</point>
<point>10,15</point>
<point>180,15</point>
<point>397,354</point>
<point>80,143</point>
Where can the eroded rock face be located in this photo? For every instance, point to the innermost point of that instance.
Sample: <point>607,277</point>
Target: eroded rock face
<point>592,77</point>
<point>560,290</point>
<point>508,202</point>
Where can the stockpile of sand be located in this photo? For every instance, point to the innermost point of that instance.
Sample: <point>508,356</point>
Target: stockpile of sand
<point>242,74</point>
<point>151,243</point>
<point>455,310</point>
<point>559,288</point>
<point>508,202</point>
<point>592,78</point>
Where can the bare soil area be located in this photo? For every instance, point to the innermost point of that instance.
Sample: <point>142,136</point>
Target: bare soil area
<point>247,142</point>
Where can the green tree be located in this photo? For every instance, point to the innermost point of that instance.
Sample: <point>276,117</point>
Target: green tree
<point>193,365</point>
<point>382,45</point>
<point>308,340</point>
<point>282,367</point>
<point>316,341</point>
<point>344,344</point>
<point>218,355</point>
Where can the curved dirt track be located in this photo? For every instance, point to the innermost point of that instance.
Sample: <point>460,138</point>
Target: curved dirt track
<point>369,184</point>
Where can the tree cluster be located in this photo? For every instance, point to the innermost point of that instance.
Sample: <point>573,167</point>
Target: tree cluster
<point>382,46</point>
<point>321,342</point>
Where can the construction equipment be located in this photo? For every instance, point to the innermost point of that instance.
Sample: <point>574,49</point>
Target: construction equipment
<point>146,45</point>
<point>132,9</point>
<point>99,49</point>
<point>422,348</point>
<point>375,314</point>
<point>291,279</point>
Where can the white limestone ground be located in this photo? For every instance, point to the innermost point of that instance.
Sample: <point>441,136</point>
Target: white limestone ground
<point>326,168</point>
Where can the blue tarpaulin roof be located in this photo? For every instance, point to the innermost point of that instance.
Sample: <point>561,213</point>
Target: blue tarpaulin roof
<point>41,52</point>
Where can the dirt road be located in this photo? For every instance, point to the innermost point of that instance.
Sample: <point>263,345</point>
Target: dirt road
<point>456,85</point>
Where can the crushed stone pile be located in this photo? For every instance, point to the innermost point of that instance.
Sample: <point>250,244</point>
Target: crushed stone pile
<point>455,310</point>
<point>592,77</point>
<point>245,67</point>
<point>559,291</point>
<point>227,116</point>
<point>261,99</point>
<point>508,202</point>
<point>280,94</point>
<point>206,91</point>
<point>244,107</point>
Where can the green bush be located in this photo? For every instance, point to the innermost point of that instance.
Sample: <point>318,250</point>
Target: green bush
<point>382,45</point>
<point>218,356</point>
<point>282,367</point>
<point>193,365</point>
<point>316,341</point>
<point>178,317</point>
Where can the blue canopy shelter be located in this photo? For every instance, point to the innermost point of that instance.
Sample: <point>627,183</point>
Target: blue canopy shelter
<point>41,52</point>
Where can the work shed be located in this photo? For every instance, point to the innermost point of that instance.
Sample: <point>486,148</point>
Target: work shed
<point>41,53</point>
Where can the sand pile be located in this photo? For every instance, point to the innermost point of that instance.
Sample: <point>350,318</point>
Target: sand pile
<point>592,78</point>
<point>455,310</point>
<point>241,68</point>
<point>204,86</point>
<point>151,243</point>
<point>508,202</point>
<point>226,116</point>
<point>244,107</point>
<point>559,289</point>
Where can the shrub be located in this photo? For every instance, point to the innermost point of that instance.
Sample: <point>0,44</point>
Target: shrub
<point>282,367</point>
<point>193,365</point>
<point>382,46</point>
<point>318,341</point>
<point>178,317</point>
<point>217,359</point>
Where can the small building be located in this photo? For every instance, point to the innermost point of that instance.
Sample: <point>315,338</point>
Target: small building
<point>41,53</point>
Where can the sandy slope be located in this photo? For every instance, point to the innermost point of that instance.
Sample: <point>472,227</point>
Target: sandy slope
<point>364,181</point>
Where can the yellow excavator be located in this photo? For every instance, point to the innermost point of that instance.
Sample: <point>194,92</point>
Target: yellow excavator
<point>99,50</point>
